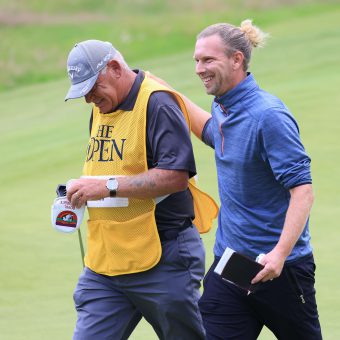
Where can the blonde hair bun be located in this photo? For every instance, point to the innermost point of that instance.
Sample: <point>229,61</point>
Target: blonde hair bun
<point>253,33</point>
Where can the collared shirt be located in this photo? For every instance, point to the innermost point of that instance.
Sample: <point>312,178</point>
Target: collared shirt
<point>168,147</point>
<point>259,157</point>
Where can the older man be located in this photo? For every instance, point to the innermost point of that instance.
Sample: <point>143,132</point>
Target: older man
<point>145,257</point>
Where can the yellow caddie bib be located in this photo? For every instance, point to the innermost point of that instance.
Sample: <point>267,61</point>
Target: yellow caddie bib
<point>123,238</point>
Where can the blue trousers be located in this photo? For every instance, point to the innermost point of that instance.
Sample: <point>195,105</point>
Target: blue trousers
<point>286,305</point>
<point>110,307</point>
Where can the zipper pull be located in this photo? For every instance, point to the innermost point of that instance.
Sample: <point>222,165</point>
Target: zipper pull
<point>224,110</point>
<point>302,299</point>
<point>222,137</point>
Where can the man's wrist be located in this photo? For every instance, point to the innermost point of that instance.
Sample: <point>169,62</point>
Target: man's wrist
<point>282,251</point>
<point>112,186</point>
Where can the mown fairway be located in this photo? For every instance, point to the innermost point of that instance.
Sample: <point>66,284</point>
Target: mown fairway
<point>43,140</point>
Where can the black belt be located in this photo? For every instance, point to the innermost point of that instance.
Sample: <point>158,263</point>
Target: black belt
<point>171,234</point>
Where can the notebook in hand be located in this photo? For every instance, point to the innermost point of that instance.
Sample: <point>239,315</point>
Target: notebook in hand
<point>238,269</point>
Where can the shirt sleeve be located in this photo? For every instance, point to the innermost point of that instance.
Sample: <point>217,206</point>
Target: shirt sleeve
<point>168,140</point>
<point>207,133</point>
<point>281,147</point>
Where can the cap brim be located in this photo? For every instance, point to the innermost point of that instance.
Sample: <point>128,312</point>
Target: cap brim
<point>81,89</point>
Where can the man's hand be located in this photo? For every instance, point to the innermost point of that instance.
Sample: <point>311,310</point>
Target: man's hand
<point>81,190</point>
<point>273,263</point>
<point>150,184</point>
<point>159,80</point>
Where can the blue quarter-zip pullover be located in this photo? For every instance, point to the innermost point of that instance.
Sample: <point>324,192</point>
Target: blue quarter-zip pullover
<point>259,157</point>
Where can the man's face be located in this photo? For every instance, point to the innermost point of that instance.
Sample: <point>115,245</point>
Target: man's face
<point>213,66</point>
<point>104,93</point>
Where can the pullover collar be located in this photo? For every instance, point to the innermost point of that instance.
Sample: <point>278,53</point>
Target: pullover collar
<point>236,94</point>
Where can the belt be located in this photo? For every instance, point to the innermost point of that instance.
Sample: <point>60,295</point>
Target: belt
<point>171,234</point>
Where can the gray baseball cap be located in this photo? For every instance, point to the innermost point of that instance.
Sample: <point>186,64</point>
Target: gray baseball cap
<point>84,63</point>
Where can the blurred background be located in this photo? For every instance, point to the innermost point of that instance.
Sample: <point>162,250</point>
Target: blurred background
<point>43,140</point>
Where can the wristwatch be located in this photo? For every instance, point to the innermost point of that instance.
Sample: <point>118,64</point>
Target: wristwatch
<point>112,186</point>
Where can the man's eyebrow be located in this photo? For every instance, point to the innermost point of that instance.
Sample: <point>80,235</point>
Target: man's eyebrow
<point>205,57</point>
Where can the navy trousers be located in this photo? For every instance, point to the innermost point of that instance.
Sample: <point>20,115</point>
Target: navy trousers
<point>110,307</point>
<point>286,305</point>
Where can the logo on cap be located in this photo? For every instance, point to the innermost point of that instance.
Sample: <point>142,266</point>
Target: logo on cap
<point>73,70</point>
<point>67,218</point>
<point>84,63</point>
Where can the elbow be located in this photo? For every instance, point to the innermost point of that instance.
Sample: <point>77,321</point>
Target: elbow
<point>182,185</point>
<point>310,196</point>
<point>304,193</point>
<point>181,182</point>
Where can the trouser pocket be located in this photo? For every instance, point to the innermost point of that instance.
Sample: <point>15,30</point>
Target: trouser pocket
<point>295,285</point>
<point>301,278</point>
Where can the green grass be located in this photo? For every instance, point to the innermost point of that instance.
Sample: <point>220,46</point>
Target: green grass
<point>42,143</point>
<point>36,36</point>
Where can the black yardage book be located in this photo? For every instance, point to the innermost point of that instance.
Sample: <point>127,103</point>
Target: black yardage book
<point>238,269</point>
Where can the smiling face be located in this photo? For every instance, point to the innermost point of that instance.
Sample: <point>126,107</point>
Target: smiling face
<point>218,72</point>
<point>105,93</point>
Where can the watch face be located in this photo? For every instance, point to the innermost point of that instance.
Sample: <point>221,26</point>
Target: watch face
<point>112,184</point>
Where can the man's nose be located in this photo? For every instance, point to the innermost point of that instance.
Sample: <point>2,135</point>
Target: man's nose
<point>199,67</point>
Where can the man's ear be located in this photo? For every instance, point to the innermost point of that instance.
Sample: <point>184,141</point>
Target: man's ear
<point>115,67</point>
<point>238,58</point>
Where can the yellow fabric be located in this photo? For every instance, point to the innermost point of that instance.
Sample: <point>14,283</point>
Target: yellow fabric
<point>124,240</point>
<point>121,240</point>
<point>206,209</point>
